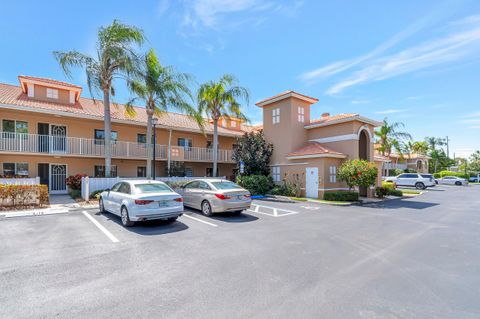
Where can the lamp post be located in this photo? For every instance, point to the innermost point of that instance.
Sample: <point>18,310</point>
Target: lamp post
<point>154,123</point>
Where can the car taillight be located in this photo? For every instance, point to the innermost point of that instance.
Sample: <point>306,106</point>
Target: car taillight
<point>180,199</point>
<point>247,196</point>
<point>143,201</point>
<point>221,196</point>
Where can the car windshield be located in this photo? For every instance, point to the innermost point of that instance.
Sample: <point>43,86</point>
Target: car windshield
<point>225,185</point>
<point>152,188</point>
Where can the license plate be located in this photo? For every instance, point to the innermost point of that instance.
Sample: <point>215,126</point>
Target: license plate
<point>240,197</point>
<point>162,203</point>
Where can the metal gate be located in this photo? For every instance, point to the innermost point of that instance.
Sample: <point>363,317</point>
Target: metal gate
<point>59,138</point>
<point>58,175</point>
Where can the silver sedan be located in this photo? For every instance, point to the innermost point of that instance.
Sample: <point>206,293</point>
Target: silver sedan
<point>215,196</point>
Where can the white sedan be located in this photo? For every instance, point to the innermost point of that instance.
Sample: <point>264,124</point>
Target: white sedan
<point>141,200</point>
<point>452,180</point>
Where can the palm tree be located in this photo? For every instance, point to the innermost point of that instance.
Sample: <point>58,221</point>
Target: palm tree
<point>420,147</point>
<point>389,137</point>
<point>435,153</point>
<point>221,100</point>
<point>159,87</point>
<point>115,58</point>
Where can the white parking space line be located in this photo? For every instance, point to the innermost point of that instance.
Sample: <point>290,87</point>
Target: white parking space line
<point>276,212</point>
<point>103,229</point>
<point>199,220</point>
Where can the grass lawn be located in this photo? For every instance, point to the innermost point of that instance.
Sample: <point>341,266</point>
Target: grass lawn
<point>411,191</point>
<point>303,199</point>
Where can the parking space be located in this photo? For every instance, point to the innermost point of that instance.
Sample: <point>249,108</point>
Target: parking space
<point>416,256</point>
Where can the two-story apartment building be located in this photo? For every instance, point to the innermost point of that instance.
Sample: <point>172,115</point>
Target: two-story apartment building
<point>48,130</point>
<point>311,151</point>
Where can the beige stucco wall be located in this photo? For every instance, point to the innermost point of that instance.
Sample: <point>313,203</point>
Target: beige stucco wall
<point>289,134</point>
<point>41,94</point>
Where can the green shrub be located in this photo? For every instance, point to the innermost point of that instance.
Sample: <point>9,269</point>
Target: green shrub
<point>381,192</point>
<point>286,189</point>
<point>345,196</point>
<point>256,184</point>
<point>388,185</point>
<point>358,173</point>
<point>450,173</point>
<point>96,194</point>
<point>75,193</point>
<point>395,192</point>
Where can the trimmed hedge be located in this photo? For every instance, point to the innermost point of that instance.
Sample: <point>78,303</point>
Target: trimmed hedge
<point>343,196</point>
<point>395,192</point>
<point>450,173</point>
<point>256,184</point>
<point>23,195</point>
<point>381,192</point>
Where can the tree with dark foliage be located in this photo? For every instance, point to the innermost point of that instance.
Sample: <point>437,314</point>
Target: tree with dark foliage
<point>254,152</point>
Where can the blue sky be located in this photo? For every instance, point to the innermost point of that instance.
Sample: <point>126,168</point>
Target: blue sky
<point>413,61</point>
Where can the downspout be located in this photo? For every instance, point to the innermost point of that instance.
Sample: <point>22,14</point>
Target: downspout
<point>169,151</point>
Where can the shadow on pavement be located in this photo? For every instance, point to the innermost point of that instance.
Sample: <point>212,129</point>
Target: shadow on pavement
<point>149,227</point>
<point>400,203</point>
<point>227,217</point>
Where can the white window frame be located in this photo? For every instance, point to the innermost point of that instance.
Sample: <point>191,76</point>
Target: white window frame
<point>52,93</point>
<point>276,173</point>
<point>301,114</point>
<point>276,116</point>
<point>333,174</point>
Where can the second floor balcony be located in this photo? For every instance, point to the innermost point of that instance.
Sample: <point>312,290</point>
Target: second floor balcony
<point>85,147</point>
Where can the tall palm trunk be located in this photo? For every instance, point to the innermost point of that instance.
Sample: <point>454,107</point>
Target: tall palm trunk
<point>149,142</point>
<point>108,132</point>
<point>215,146</point>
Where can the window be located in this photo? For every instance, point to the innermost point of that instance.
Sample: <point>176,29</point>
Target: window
<point>276,173</point>
<point>209,172</point>
<point>100,171</point>
<point>124,188</point>
<point>100,137</point>
<point>192,185</point>
<point>203,185</point>
<point>301,114</point>
<point>225,185</point>
<point>275,116</point>
<point>188,172</point>
<point>10,127</point>
<point>116,187</point>
<point>233,123</point>
<point>13,169</point>
<point>333,174</point>
<point>52,93</point>
<point>185,142</point>
<point>209,144</point>
<point>141,171</point>
<point>142,138</point>
<point>152,188</point>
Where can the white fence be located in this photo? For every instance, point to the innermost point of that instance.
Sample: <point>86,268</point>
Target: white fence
<point>92,184</point>
<point>20,181</point>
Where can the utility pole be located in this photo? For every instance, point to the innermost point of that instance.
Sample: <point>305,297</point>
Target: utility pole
<point>448,148</point>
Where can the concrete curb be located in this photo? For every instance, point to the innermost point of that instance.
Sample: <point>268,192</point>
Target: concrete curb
<point>33,212</point>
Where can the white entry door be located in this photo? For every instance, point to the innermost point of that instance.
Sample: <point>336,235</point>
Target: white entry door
<point>58,176</point>
<point>311,183</point>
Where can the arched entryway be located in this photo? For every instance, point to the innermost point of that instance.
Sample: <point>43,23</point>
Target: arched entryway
<point>419,166</point>
<point>363,153</point>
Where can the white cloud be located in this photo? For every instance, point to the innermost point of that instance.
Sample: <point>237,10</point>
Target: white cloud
<point>360,102</point>
<point>344,65</point>
<point>391,111</point>
<point>449,48</point>
<point>163,6</point>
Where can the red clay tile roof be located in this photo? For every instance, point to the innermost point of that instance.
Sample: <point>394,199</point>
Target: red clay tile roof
<point>313,148</point>
<point>333,118</point>
<point>49,81</point>
<point>13,95</point>
<point>285,93</point>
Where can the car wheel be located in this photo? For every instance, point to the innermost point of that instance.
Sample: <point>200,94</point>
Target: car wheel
<point>171,220</point>
<point>206,208</point>
<point>238,212</point>
<point>420,186</point>
<point>125,218</point>
<point>101,207</point>
<point>458,183</point>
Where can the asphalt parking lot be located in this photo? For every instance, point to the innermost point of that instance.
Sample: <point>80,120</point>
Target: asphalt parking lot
<point>409,258</point>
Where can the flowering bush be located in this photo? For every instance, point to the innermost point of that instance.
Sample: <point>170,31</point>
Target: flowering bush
<point>23,195</point>
<point>359,173</point>
<point>74,182</point>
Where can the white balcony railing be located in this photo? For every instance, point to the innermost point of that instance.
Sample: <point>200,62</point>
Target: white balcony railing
<point>62,145</point>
